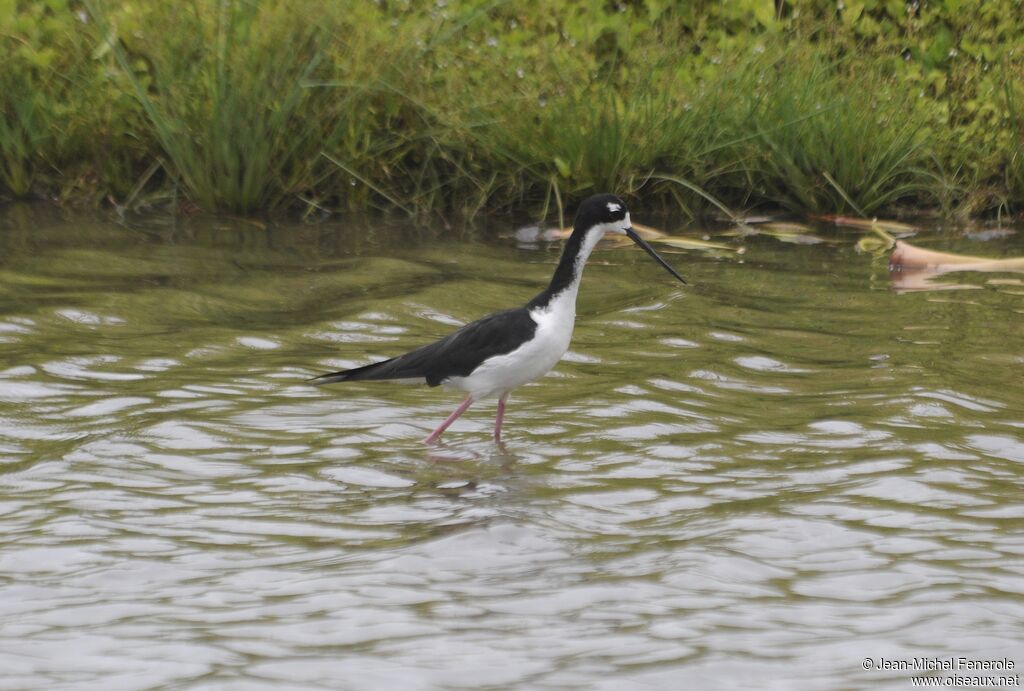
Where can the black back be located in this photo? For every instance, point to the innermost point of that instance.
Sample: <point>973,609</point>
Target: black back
<point>455,355</point>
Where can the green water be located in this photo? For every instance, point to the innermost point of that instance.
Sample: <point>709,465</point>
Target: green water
<point>755,481</point>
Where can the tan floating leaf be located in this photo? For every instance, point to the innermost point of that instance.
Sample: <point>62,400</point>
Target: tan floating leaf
<point>784,227</point>
<point>646,232</point>
<point>869,224</point>
<point>793,236</point>
<point>693,244</point>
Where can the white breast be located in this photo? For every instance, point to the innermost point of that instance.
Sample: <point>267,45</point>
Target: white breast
<point>539,355</point>
<point>530,361</point>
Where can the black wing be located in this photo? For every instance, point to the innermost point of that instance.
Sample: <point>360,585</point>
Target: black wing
<point>456,355</point>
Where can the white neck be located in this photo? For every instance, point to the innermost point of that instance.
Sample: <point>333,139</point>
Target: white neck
<point>590,241</point>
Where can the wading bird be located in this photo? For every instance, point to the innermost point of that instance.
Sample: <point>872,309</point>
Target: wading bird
<point>492,356</point>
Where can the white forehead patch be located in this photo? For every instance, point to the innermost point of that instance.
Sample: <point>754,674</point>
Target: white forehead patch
<point>613,207</point>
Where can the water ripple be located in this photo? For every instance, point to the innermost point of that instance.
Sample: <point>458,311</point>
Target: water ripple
<point>759,490</point>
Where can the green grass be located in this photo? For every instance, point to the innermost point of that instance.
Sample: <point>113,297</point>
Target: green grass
<point>24,132</point>
<point>827,142</point>
<point>637,139</point>
<point>1014,155</point>
<point>230,106</point>
<point>484,105</point>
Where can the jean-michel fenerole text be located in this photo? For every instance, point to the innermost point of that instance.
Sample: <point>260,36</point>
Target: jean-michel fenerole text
<point>957,664</point>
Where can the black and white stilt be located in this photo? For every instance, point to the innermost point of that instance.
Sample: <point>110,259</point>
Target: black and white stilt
<point>492,356</point>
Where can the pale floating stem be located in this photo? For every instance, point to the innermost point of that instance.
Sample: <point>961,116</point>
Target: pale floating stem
<point>558,201</point>
<point>734,217</point>
<point>843,194</point>
<point>368,183</point>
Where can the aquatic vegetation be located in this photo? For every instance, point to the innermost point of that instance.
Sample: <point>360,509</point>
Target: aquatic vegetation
<point>473,105</point>
<point>23,132</point>
<point>1014,91</point>
<point>832,142</point>
<point>227,100</point>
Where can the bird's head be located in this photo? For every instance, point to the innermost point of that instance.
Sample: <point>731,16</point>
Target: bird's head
<point>604,213</point>
<point>607,213</point>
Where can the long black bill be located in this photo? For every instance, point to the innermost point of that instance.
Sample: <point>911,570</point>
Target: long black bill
<point>650,250</point>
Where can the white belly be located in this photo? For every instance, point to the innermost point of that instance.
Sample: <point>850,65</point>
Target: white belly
<point>528,362</point>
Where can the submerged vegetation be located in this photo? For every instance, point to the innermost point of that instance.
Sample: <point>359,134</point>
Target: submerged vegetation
<point>465,105</point>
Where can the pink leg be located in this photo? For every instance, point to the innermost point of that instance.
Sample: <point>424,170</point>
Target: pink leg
<point>436,434</point>
<point>497,420</point>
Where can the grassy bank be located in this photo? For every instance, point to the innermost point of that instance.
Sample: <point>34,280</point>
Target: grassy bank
<point>470,105</point>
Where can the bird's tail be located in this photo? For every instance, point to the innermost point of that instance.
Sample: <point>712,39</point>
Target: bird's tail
<point>367,372</point>
<point>328,378</point>
<point>377,370</point>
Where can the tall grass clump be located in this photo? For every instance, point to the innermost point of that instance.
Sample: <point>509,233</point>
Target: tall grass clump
<point>832,142</point>
<point>580,141</point>
<point>1014,155</point>
<point>710,160</point>
<point>388,143</point>
<point>226,96</point>
<point>35,55</point>
<point>24,132</point>
<point>469,105</point>
<point>558,130</point>
<point>68,130</point>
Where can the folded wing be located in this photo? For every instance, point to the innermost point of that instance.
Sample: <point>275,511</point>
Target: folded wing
<point>455,355</point>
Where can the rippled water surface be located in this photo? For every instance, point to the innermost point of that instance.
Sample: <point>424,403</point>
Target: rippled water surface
<point>756,481</point>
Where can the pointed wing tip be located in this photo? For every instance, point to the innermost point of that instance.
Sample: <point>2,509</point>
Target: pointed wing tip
<point>323,379</point>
